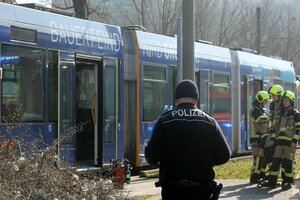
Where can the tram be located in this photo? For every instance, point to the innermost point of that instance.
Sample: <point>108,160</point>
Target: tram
<point>64,74</point>
<point>59,71</point>
<point>228,80</point>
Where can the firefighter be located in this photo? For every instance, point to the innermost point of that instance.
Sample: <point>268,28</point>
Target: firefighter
<point>287,126</point>
<point>259,119</point>
<point>186,143</point>
<point>276,92</point>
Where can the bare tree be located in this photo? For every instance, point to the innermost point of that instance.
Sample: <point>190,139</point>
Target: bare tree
<point>218,21</point>
<point>168,12</point>
<point>230,18</point>
<point>98,10</point>
<point>205,16</point>
<point>81,9</point>
<point>156,16</point>
<point>85,9</point>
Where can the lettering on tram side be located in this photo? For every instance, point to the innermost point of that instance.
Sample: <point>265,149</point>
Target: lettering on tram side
<point>81,36</point>
<point>156,49</point>
<point>187,113</point>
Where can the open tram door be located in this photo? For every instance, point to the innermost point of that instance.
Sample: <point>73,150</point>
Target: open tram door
<point>88,108</point>
<point>65,122</point>
<point>97,108</point>
<point>252,86</point>
<point>78,110</point>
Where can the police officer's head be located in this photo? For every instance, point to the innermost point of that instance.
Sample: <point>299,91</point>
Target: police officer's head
<point>186,92</point>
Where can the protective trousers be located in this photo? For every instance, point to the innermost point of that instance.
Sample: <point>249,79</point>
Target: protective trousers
<point>268,156</point>
<point>258,160</point>
<point>283,156</point>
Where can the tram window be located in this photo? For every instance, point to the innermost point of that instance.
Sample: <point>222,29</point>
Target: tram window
<point>289,86</point>
<point>154,92</point>
<point>220,97</point>
<point>23,84</point>
<point>110,115</point>
<point>276,73</point>
<point>23,34</point>
<point>66,91</point>
<point>277,82</point>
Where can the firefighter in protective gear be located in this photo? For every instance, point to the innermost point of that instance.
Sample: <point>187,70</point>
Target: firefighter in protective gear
<point>276,91</point>
<point>259,126</point>
<point>288,128</point>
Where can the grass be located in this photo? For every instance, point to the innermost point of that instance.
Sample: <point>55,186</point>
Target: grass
<point>233,169</point>
<point>240,168</point>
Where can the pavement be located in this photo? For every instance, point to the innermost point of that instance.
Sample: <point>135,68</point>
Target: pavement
<point>233,189</point>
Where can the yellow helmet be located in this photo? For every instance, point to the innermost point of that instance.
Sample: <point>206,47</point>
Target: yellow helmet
<point>289,94</point>
<point>262,96</point>
<point>276,90</point>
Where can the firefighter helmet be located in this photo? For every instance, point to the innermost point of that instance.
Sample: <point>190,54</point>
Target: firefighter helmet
<point>276,90</point>
<point>262,96</point>
<point>289,94</point>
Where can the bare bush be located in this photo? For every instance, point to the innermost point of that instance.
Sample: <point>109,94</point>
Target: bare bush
<point>30,171</point>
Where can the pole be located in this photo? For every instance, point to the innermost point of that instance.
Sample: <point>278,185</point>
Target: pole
<point>188,35</point>
<point>179,49</point>
<point>236,100</point>
<point>258,31</point>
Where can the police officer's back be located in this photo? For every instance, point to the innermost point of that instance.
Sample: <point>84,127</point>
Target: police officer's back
<point>187,143</point>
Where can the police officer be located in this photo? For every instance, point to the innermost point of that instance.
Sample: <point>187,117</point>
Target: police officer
<point>286,138</point>
<point>186,144</point>
<point>276,91</point>
<point>259,119</point>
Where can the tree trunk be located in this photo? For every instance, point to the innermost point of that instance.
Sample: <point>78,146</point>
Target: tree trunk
<point>81,9</point>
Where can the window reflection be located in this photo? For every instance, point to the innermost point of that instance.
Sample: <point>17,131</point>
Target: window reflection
<point>110,105</point>
<point>154,92</point>
<point>220,97</point>
<point>23,84</point>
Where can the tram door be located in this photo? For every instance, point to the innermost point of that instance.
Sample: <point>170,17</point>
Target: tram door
<point>252,86</point>
<point>65,106</point>
<point>204,88</point>
<point>88,141</point>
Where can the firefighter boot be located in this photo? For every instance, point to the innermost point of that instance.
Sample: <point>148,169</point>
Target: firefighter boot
<point>254,179</point>
<point>270,182</point>
<point>286,186</point>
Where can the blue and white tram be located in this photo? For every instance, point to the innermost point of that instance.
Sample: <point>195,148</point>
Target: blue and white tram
<point>151,73</point>
<point>255,73</point>
<point>225,78</point>
<point>58,72</point>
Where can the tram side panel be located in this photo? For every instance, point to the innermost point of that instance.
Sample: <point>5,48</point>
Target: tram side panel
<point>50,35</point>
<point>155,63</point>
<point>213,67</point>
<point>258,73</point>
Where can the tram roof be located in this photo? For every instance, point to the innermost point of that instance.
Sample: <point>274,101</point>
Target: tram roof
<point>254,60</point>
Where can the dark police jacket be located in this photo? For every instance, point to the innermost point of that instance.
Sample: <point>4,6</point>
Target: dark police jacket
<point>186,143</point>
